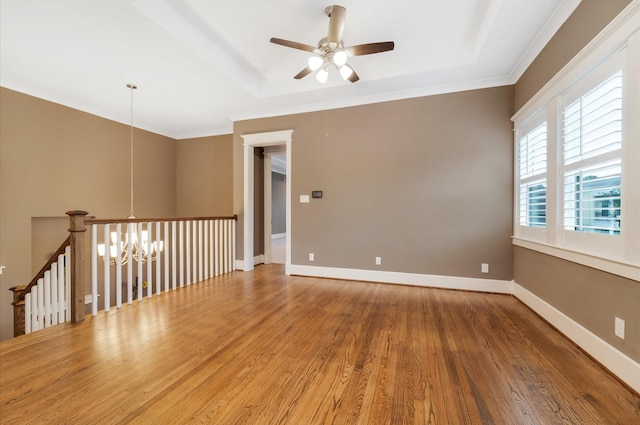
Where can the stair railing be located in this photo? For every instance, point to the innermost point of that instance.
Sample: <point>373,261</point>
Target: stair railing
<point>129,258</point>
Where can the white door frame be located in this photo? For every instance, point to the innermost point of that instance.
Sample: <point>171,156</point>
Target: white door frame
<point>251,141</point>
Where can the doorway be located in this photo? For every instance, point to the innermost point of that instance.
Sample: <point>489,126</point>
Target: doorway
<point>275,178</point>
<point>251,141</point>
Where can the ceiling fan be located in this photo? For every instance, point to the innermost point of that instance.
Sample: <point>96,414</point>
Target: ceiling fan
<point>331,50</point>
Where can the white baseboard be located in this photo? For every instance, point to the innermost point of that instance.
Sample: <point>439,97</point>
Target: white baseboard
<point>278,235</point>
<point>445,282</point>
<point>258,259</point>
<point>625,368</point>
<point>240,265</point>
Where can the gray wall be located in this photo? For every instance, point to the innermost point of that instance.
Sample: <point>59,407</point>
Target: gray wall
<point>589,18</point>
<point>278,204</point>
<point>203,176</point>
<point>590,297</point>
<point>424,183</point>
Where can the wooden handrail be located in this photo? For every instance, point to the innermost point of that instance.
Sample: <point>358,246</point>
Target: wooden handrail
<point>145,220</point>
<point>21,291</point>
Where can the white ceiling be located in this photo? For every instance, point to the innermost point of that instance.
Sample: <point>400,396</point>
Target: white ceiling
<point>202,64</point>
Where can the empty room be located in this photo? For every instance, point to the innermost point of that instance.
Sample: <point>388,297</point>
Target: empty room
<point>313,213</point>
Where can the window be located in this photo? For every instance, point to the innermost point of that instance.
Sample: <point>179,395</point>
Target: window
<point>592,148</point>
<point>577,157</point>
<point>532,169</point>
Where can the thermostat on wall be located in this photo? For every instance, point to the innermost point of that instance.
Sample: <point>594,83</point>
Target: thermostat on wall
<point>316,194</point>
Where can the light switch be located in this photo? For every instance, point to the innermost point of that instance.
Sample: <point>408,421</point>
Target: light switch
<point>304,199</point>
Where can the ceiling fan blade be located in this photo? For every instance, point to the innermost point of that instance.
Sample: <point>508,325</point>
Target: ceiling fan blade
<point>353,77</point>
<point>370,48</point>
<point>303,73</point>
<point>292,44</point>
<point>337,15</point>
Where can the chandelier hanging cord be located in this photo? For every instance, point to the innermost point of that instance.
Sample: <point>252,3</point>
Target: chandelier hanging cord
<point>132,87</point>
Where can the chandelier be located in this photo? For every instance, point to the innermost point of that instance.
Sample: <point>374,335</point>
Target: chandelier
<point>142,249</point>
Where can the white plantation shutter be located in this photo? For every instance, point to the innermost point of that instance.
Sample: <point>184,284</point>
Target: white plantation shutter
<point>533,152</point>
<point>592,150</point>
<point>532,170</point>
<point>593,122</point>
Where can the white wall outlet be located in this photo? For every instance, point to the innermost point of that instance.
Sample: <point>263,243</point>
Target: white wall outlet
<point>378,261</point>
<point>304,199</point>
<point>312,257</point>
<point>619,327</point>
<point>485,267</point>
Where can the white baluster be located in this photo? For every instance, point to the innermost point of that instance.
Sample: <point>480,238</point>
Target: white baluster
<point>217,248</point>
<point>188,253</point>
<point>54,293</point>
<point>107,268</point>
<point>94,268</point>
<point>194,251</point>
<point>41,315</point>
<point>46,299</point>
<point>174,252</point>
<point>141,248</point>
<point>181,244</point>
<point>119,265</point>
<point>200,251</point>
<point>27,313</point>
<point>205,236</point>
<point>62,278</point>
<point>149,257</point>
<point>226,246</point>
<point>130,263</point>
<point>158,257</point>
<point>67,283</point>
<point>211,249</point>
<point>233,245</point>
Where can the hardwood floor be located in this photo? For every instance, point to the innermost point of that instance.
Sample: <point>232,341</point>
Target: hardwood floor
<point>279,250</point>
<point>262,348</point>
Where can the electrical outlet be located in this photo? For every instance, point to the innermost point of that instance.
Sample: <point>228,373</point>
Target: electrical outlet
<point>485,268</point>
<point>378,261</point>
<point>312,257</point>
<point>619,327</point>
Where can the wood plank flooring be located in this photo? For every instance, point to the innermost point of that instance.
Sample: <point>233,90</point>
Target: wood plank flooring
<point>262,348</point>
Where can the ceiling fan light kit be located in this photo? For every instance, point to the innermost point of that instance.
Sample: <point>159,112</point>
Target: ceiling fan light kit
<point>322,75</point>
<point>331,50</point>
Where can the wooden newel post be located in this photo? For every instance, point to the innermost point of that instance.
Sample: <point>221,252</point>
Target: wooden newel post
<point>76,231</point>
<point>18,310</point>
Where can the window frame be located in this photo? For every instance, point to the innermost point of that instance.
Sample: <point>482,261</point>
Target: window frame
<point>617,45</point>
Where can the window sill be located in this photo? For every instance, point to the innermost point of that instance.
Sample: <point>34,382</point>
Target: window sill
<point>624,269</point>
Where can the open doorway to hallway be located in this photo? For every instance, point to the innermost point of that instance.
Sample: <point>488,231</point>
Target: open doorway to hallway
<point>275,178</point>
<point>250,142</point>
